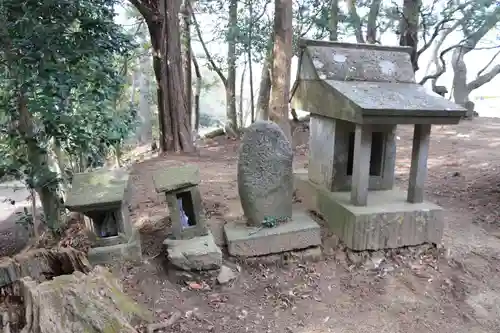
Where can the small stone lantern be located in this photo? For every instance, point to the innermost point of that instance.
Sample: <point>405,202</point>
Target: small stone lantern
<point>190,246</point>
<point>102,197</point>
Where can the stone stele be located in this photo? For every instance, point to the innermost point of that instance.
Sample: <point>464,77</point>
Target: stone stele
<point>265,184</point>
<point>265,173</point>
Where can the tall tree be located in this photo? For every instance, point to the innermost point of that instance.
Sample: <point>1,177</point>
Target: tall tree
<point>232,35</point>
<point>186,57</point>
<point>282,52</point>
<point>265,82</point>
<point>462,88</point>
<point>162,19</point>
<point>229,81</point>
<point>333,22</point>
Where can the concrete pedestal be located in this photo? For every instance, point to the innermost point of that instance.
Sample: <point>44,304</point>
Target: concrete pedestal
<point>299,233</point>
<point>388,221</point>
<point>197,253</point>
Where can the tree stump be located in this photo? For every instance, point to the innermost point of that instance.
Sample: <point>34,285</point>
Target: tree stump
<point>79,303</point>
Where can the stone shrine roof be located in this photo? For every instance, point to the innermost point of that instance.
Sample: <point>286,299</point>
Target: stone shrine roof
<point>364,83</point>
<point>97,189</point>
<point>176,178</point>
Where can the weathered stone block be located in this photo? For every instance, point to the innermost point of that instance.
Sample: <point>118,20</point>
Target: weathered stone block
<point>265,173</point>
<point>299,233</point>
<point>93,303</point>
<point>197,253</point>
<point>175,178</point>
<point>97,190</point>
<point>110,254</point>
<point>388,221</point>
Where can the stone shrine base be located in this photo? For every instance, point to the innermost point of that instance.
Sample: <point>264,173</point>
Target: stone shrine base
<point>387,222</point>
<point>299,233</point>
<point>110,254</point>
<point>197,253</point>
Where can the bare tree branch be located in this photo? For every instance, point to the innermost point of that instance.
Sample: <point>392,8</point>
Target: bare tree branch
<point>487,65</point>
<point>304,32</point>
<point>442,68</point>
<point>144,10</point>
<point>207,53</point>
<point>483,79</point>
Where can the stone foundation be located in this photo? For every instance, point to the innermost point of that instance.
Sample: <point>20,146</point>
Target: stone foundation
<point>388,221</point>
<point>197,253</point>
<point>299,233</point>
<point>113,253</point>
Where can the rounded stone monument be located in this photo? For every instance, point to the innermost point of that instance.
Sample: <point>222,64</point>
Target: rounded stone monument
<point>265,173</point>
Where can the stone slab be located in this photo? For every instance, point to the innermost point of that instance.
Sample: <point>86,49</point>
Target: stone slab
<point>388,221</point>
<point>383,99</point>
<point>111,254</point>
<point>197,253</point>
<point>97,189</point>
<point>175,178</point>
<point>360,62</point>
<point>299,233</point>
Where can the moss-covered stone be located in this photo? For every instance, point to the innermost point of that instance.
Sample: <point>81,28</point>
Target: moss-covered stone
<point>175,178</point>
<point>79,303</point>
<point>102,188</point>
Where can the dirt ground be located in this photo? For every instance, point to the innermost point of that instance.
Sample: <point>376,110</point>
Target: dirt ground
<point>452,288</point>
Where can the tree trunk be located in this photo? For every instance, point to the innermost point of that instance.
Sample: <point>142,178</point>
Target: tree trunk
<point>462,89</point>
<point>333,24</point>
<point>46,184</point>
<point>371,25</point>
<point>242,82</point>
<point>408,28</point>
<point>231,125</point>
<point>145,129</point>
<point>186,57</point>
<point>250,67</point>
<point>196,93</point>
<point>175,134</point>
<point>265,84</point>
<point>355,21</point>
<point>282,52</point>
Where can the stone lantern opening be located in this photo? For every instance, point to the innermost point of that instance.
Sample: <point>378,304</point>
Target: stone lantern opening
<point>105,223</point>
<point>186,209</point>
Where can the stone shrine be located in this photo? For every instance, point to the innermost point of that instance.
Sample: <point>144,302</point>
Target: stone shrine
<point>103,198</point>
<point>191,245</point>
<point>265,185</point>
<point>356,95</point>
